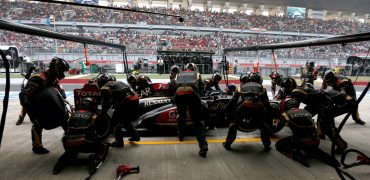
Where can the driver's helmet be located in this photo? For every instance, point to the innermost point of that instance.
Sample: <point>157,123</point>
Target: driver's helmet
<point>191,66</point>
<point>88,103</point>
<point>243,78</point>
<point>255,77</point>
<point>329,77</point>
<point>103,78</point>
<point>58,66</point>
<point>287,84</point>
<point>216,77</point>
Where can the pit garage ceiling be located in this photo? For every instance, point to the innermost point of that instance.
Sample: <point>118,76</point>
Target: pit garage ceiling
<point>358,6</point>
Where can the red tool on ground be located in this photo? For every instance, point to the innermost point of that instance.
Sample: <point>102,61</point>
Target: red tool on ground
<point>122,170</point>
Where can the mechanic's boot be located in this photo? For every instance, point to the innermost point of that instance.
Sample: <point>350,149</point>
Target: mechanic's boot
<point>203,151</point>
<point>361,122</point>
<point>267,148</point>
<point>136,138</point>
<point>59,166</point>
<point>40,150</point>
<point>181,138</point>
<point>227,146</point>
<point>20,121</point>
<point>94,164</point>
<point>117,144</point>
<point>301,160</point>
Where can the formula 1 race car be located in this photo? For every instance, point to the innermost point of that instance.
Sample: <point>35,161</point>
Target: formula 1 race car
<point>160,112</point>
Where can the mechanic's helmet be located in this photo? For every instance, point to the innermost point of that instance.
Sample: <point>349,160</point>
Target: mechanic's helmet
<point>88,103</point>
<point>287,84</point>
<point>329,77</point>
<point>243,78</point>
<point>299,94</point>
<point>231,87</point>
<point>216,77</point>
<point>143,81</point>
<point>58,67</point>
<point>191,66</point>
<point>311,65</point>
<point>290,103</point>
<point>275,108</point>
<point>175,69</point>
<point>132,79</point>
<point>103,78</point>
<point>274,75</point>
<point>255,77</point>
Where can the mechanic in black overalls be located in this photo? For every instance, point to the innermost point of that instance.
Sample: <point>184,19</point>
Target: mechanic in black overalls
<point>23,112</point>
<point>275,80</point>
<point>343,85</point>
<point>212,82</point>
<point>317,102</point>
<point>141,84</point>
<point>187,97</point>
<point>85,134</point>
<point>309,74</point>
<point>125,103</point>
<point>35,84</point>
<point>254,102</point>
<point>304,138</point>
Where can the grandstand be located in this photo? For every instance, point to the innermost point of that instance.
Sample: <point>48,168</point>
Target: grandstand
<point>209,25</point>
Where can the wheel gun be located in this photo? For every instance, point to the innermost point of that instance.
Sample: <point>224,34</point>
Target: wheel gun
<point>126,169</point>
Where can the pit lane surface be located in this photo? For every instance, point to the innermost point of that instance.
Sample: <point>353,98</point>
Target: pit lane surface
<point>161,156</point>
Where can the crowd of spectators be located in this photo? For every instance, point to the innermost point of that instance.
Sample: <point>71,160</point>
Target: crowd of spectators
<point>26,10</point>
<point>148,42</point>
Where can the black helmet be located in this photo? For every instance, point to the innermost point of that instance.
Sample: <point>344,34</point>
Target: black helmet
<point>231,87</point>
<point>191,66</point>
<point>275,108</point>
<point>175,69</point>
<point>58,67</point>
<point>88,103</point>
<point>290,103</point>
<point>255,77</point>
<point>329,77</point>
<point>288,84</point>
<point>132,80</point>
<point>216,77</point>
<point>103,78</point>
<point>311,63</point>
<point>243,78</point>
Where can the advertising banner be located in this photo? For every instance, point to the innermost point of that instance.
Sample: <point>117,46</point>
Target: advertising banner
<point>317,14</point>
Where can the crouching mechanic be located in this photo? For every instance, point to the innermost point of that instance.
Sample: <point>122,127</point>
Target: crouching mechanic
<point>304,138</point>
<point>343,85</point>
<point>141,84</point>
<point>124,101</point>
<point>188,86</point>
<point>321,104</point>
<point>252,100</point>
<point>43,99</point>
<point>212,82</point>
<point>85,134</point>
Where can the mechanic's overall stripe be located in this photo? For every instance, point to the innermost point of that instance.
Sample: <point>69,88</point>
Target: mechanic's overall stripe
<point>193,141</point>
